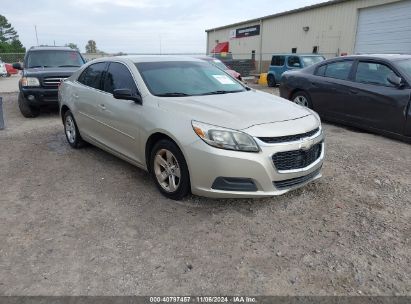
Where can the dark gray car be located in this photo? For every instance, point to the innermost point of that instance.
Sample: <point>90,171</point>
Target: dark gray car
<point>370,92</point>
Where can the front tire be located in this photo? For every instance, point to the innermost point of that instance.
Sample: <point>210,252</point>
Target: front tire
<point>72,133</point>
<point>271,80</point>
<point>26,109</point>
<point>169,170</point>
<point>303,99</point>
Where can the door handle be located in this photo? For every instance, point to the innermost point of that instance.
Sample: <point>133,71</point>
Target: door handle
<point>314,84</point>
<point>103,107</point>
<point>353,91</point>
<point>75,96</point>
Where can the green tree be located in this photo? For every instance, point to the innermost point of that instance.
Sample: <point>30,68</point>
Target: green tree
<point>7,32</point>
<point>91,47</point>
<point>73,46</point>
<point>9,40</point>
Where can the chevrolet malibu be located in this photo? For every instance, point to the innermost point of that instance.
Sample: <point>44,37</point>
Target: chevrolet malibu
<point>192,127</point>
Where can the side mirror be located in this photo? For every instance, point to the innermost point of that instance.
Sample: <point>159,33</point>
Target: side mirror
<point>127,95</point>
<point>17,66</point>
<point>395,80</point>
<point>296,65</point>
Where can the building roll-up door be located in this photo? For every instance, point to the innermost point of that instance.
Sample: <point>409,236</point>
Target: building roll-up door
<point>384,29</point>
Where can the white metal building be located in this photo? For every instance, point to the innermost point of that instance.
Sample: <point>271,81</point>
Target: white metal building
<point>331,28</point>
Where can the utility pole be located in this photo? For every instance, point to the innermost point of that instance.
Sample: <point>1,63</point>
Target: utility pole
<point>160,44</point>
<point>37,38</point>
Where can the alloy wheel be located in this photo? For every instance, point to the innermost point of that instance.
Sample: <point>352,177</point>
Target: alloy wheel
<point>70,129</point>
<point>167,170</point>
<point>301,100</point>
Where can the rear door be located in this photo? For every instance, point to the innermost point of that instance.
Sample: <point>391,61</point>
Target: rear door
<point>374,101</point>
<point>121,118</point>
<point>329,88</point>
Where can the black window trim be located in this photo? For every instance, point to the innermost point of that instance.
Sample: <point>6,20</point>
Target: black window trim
<point>101,86</point>
<point>376,61</point>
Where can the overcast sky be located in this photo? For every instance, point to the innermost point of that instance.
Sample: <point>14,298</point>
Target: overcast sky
<point>134,26</point>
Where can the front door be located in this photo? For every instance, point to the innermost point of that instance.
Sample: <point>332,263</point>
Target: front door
<point>374,101</point>
<point>121,118</point>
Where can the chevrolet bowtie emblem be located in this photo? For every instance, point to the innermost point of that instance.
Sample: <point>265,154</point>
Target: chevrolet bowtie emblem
<point>306,144</point>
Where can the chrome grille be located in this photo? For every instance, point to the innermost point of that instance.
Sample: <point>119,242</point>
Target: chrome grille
<point>288,138</point>
<point>53,81</point>
<point>297,159</point>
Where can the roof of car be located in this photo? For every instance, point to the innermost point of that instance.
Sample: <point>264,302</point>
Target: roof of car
<point>297,54</point>
<point>390,57</point>
<point>155,58</point>
<point>51,48</point>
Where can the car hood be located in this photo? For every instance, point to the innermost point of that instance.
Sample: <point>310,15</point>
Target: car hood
<point>64,71</point>
<point>235,110</point>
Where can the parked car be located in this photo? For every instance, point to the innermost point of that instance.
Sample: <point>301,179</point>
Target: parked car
<point>281,63</point>
<point>3,71</point>
<point>10,70</point>
<point>370,92</point>
<point>221,65</point>
<point>192,126</point>
<point>43,70</point>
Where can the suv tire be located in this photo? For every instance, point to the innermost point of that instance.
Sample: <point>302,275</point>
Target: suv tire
<point>271,80</point>
<point>26,109</point>
<point>169,170</point>
<point>70,129</point>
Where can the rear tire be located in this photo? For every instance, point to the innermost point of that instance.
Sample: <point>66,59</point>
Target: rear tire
<point>303,99</point>
<point>70,129</point>
<point>271,80</point>
<point>26,109</point>
<point>169,170</point>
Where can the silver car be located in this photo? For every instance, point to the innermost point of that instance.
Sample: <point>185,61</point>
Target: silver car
<point>192,127</point>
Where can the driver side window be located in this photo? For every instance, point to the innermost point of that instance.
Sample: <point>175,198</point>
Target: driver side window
<point>373,73</point>
<point>117,77</point>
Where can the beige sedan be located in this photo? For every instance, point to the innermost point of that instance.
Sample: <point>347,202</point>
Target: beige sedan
<point>192,126</point>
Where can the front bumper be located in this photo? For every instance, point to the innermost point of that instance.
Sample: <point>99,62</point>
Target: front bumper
<point>40,96</point>
<point>208,165</point>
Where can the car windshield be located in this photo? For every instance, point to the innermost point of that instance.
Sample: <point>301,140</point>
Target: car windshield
<point>405,65</point>
<point>310,60</point>
<point>186,78</point>
<point>54,59</point>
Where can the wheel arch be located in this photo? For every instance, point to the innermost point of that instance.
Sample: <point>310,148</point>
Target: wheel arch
<point>63,111</point>
<point>153,139</point>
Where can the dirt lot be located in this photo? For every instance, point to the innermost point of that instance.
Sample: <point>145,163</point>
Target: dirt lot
<point>82,222</point>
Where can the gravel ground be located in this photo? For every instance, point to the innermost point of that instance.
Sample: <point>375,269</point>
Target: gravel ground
<point>82,222</point>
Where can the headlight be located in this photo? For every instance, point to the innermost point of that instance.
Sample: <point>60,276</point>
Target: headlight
<point>225,138</point>
<point>30,82</point>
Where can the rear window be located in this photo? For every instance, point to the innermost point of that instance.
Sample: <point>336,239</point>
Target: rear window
<point>46,59</point>
<point>339,70</point>
<point>278,60</point>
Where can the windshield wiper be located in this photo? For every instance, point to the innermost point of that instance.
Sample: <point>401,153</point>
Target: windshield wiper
<point>172,94</point>
<point>68,66</point>
<point>221,92</point>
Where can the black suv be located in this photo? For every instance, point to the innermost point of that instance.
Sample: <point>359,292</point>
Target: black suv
<point>44,68</point>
